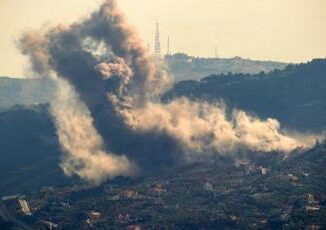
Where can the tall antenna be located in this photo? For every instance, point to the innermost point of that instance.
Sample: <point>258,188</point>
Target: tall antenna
<point>157,45</point>
<point>216,54</point>
<point>168,46</point>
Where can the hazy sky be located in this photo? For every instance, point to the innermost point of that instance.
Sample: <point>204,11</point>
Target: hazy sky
<point>284,30</point>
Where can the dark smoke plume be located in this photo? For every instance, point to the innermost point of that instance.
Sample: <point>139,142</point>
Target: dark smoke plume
<point>108,112</point>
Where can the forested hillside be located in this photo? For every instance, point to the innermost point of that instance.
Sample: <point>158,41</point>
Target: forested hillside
<point>29,150</point>
<point>184,67</point>
<point>15,91</point>
<point>295,95</point>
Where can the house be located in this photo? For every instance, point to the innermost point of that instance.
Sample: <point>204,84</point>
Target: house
<point>24,207</point>
<point>133,227</point>
<point>208,187</point>
<point>18,203</point>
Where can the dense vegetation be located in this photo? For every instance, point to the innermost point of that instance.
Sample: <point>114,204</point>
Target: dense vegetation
<point>29,150</point>
<point>29,146</point>
<point>295,95</point>
<point>184,67</point>
<point>290,194</point>
<point>14,91</point>
<point>260,191</point>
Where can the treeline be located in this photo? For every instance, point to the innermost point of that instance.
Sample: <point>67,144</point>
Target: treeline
<point>30,153</point>
<point>295,95</point>
<point>184,67</point>
<point>15,91</point>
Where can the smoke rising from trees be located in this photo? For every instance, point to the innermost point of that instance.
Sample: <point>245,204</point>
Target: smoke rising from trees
<point>108,112</point>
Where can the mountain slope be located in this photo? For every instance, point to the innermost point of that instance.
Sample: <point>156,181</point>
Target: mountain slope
<point>295,95</point>
<point>184,67</point>
<point>29,150</point>
<point>14,91</point>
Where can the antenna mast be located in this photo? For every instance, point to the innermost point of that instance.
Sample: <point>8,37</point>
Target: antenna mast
<point>157,46</point>
<point>168,46</point>
<point>216,54</point>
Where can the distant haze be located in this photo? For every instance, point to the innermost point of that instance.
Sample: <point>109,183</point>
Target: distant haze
<point>282,30</point>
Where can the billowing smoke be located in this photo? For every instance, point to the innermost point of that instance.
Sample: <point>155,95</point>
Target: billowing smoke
<point>84,146</point>
<point>109,101</point>
<point>204,128</point>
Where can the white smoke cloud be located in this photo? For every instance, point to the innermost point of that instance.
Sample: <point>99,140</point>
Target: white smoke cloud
<point>205,128</point>
<point>88,54</point>
<point>34,45</point>
<point>83,145</point>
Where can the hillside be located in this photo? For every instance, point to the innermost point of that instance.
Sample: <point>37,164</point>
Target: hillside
<point>267,193</point>
<point>14,91</point>
<point>184,67</point>
<point>247,190</point>
<point>295,95</point>
<point>29,146</point>
<point>29,150</point>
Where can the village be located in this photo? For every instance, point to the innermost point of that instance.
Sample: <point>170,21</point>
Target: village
<point>241,194</point>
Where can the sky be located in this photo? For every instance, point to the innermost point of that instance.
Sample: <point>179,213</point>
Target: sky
<point>280,30</point>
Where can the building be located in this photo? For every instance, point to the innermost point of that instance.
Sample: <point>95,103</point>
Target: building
<point>264,171</point>
<point>208,187</point>
<point>24,207</point>
<point>48,224</point>
<point>17,203</point>
<point>133,227</point>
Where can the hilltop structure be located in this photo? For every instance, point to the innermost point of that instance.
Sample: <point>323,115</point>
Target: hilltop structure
<point>157,44</point>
